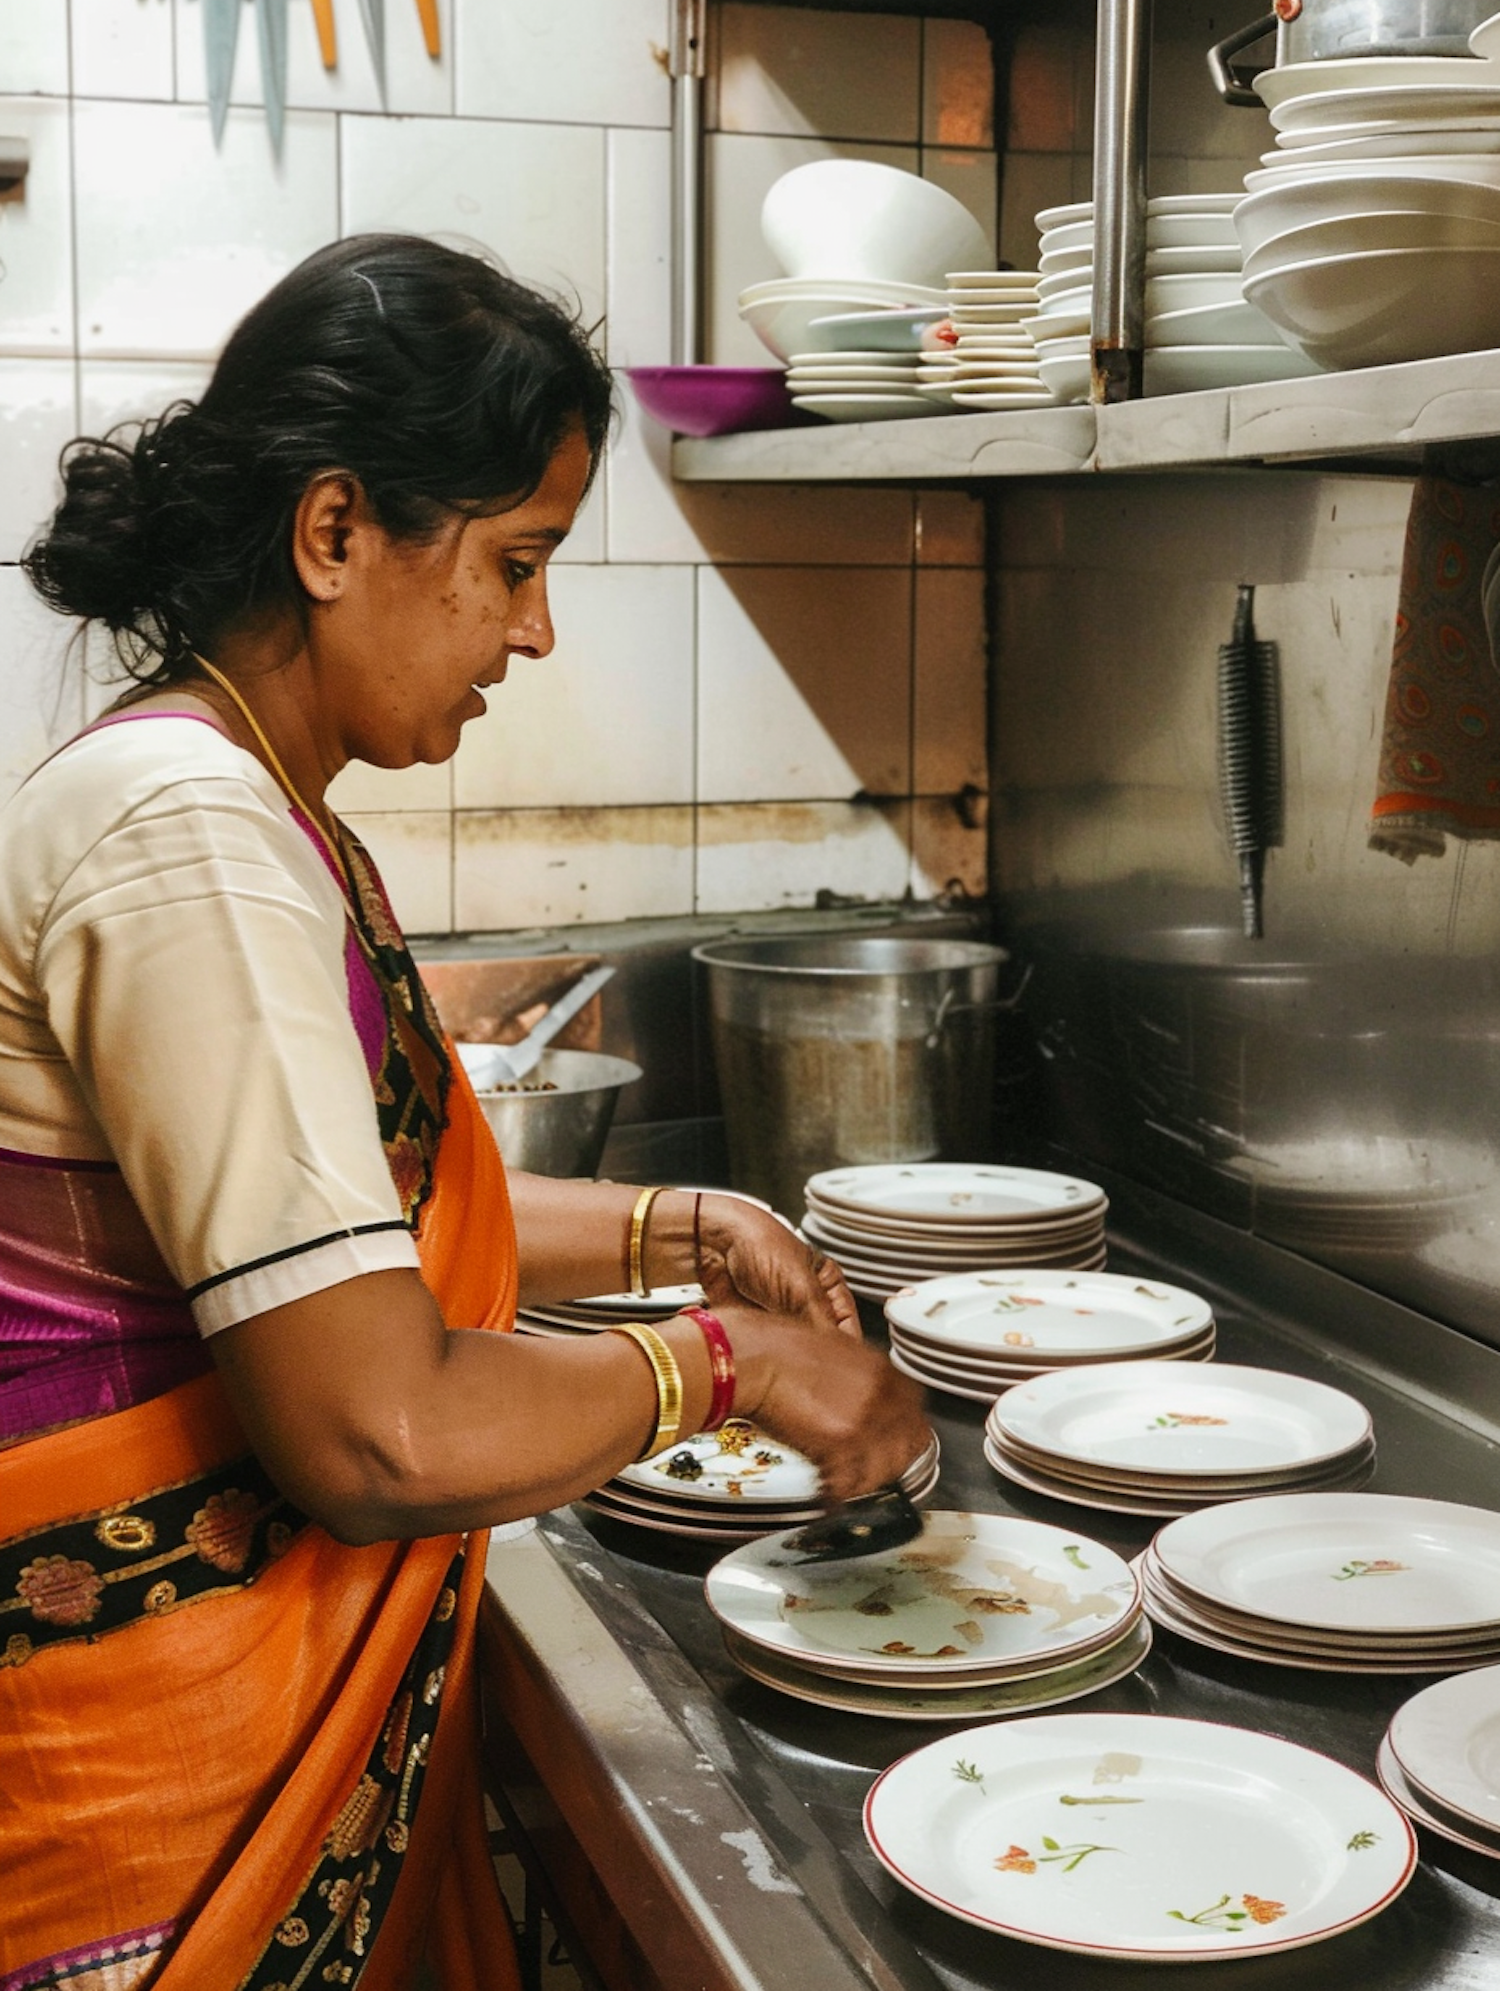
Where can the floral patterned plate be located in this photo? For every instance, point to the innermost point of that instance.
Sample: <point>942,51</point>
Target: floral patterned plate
<point>1165,1417</point>
<point>1417,1803</point>
<point>953,1192</point>
<point>948,1703</point>
<point>1032,1315</point>
<point>1447,1742</point>
<point>983,1369</point>
<point>1140,1836</point>
<point>973,1593</point>
<point>1347,1562</point>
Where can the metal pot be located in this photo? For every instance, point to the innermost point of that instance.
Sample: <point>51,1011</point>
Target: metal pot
<point>561,1131</point>
<point>1330,30</point>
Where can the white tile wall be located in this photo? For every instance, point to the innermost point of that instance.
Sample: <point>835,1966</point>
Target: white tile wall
<point>748,683</point>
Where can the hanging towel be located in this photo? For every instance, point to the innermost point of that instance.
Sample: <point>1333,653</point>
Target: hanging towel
<point>1440,750</point>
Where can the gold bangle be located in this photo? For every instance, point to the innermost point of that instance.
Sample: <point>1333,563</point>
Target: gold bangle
<point>638,1217</point>
<point>668,1384</point>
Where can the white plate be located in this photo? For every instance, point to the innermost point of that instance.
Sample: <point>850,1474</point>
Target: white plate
<point>1101,1313</point>
<point>1019,1363</point>
<point>921,1237</point>
<point>1298,79</point>
<point>660,1301</point>
<point>990,279</point>
<point>1198,1490</point>
<point>1140,1836</point>
<point>1156,1417</point>
<point>761,1468</point>
<point>1238,324</point>
<point>1106,1500</point>
<point>1192,204</point>
<point>1191,369</point>
<point>1193,259</point>
<point>954,1193</point>
<point>1415,1803</point>
<point>863,407</point>
<point>1007,1697</point>
<point>1406,104</point>
<point>970,1391</point>
<point>892,331</point>
<point>1447,1741</point>
<point>1345,1562</point>
<point>975,1592</point>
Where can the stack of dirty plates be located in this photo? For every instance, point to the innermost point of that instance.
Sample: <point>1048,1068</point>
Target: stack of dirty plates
<point>1339,1582</point>
<point>893,1224</point>
<point>563,1319</point>
<point>863,386</point>
<point>976,1334</point>
<point>991,363</point>
<point>1200,332</point>
<point>1168,1438</point>
<point>1139,1836</point>
<point>731,1485</point>
<point>1440,1759</point>
<point>983,1614</point>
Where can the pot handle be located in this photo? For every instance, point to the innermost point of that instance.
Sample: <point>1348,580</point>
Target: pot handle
<point>1231,83</point>
<point>948,1007</point>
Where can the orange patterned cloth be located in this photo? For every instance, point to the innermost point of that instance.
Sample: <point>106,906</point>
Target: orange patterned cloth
<point>1440,749</point>
<point>268,1779</point>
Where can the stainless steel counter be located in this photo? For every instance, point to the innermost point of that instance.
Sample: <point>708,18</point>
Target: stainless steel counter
<point>709,1828</point>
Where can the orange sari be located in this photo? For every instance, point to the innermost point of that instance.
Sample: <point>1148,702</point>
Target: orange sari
<point>267,1776</point>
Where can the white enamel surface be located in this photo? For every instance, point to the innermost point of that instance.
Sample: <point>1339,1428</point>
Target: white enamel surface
<point>1417,1565</point>
<point>1049,1311</point>
<point>954,1192</point>
<point>976,1591</point>
<point>1190,1823</point>
<point>1447,1740</point>
<point>1157,1417</point>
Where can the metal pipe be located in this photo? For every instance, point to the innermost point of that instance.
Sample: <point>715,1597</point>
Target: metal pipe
<point>686,66</point>
<point>1122,107</point>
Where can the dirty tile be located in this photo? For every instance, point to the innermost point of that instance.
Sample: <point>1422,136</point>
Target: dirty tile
<point>34,47</point>
<point>804,679</point>
<point>638,247</point>
<point>41,684</point>
<point>607,720</point>
<point>416,83</point>
<point>771,856</point>
<point>111,391</point>
<point>571,867</point>
<point>739,171</point>
<point>948,745</point>
<point>950,529</point>
<point>804,71</point>
<point>38,415</point>
<point>1043,108</point>
<point>36,233</point>
<point>571,62</point>
<point>958,85</point>
<point>949,850</point>
<point>1032,181</point>
<point>972,178</point>
<point>240,221</point>
<point>532,195</point>
<point>414,856</point>
<point>121,48</point>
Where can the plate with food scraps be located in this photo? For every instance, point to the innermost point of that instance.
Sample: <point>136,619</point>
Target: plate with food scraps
<point>1067,1313</point>
<point>954,1192</point>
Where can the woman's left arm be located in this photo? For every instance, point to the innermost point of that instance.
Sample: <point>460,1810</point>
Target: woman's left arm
<point>574,1239</point>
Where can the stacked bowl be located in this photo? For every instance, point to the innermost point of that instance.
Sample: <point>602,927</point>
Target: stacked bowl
<point>893,1224</point>
<point>1200,330</point>
<point>730,1485</point>
<point>984,1614</point>
<point>986,360</point>
<point>1163,1437</point>
<point>1438,1760</point>
<point>1372,232</point>
<point>1337,1582</point>
<point>978,1334</point>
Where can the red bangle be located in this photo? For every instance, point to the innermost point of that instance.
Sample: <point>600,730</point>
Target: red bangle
<point>721,1366</point>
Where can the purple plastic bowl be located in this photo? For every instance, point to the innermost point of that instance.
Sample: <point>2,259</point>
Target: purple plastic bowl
<point>715,400</point>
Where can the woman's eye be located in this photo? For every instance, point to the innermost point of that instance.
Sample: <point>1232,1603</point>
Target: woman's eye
<point>518,572</point>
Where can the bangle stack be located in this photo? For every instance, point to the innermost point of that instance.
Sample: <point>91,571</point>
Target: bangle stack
<point>668,1383</point>
<point>721,1366</point>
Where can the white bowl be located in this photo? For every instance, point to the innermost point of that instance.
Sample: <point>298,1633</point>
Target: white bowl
<point>1064,217</point>
<point>1065,348</point>
<point>1191,369</point>
<point>1468,169</point>
<point>1385,306</point>
<point>1072,235</point>
<point>1409,104</point>
<point>1273,210</point>
<point>1065,283</point>
<point>786,324</point>
<point>1354,234</point>
<point>852,218</point>
<point>1236,324</point>
<point>1051,261</point>
<point>1421,143</point>
<point>1224,258</point>
<point>1188,293</point>
<point>893,331</point>
<point>899,294</point>
<point>1066,376</point>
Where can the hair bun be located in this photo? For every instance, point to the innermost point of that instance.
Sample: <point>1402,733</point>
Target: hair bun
<point>93,560</point>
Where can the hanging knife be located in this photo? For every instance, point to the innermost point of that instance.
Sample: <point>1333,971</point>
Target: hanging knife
<point>270,19</point>
<point>372,12</point>
<point>432,32</point>
<point>328,40</point>
<point>221,32</point>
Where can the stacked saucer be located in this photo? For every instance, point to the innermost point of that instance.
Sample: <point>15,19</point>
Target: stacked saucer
<point>868,385</point>
<point>983,1614</point>
<point>977,1334</point>
<point>1439,1759</point>
<point>731,1485</point>
<point>1160,1437</point>
<point>1338,1582</point>
<point>988,362</point>
<point>893,1224</point>
<point>563,1319</point>
<point>1361,1194</point>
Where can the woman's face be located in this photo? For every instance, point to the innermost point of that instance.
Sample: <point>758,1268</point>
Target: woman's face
<point>404,637</point>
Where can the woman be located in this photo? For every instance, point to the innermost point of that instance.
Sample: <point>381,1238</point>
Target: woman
<point>254,1235</point>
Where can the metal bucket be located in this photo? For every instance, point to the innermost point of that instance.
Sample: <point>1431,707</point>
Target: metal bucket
<point>832,1050</point>
<point>562,1131</point>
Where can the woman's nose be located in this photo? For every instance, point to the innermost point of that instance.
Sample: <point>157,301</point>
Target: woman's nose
<point>531,632</point>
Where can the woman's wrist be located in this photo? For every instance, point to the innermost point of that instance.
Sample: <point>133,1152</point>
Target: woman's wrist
<point>672,1245</point>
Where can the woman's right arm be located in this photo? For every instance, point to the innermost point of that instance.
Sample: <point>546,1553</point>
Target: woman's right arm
<point>382,1424</point>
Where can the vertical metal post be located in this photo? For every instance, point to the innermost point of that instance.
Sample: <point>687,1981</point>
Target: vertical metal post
<point>687,68</point>
<point>1122,106</point>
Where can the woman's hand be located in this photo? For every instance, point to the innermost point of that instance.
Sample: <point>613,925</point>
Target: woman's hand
<point>747,1256</point>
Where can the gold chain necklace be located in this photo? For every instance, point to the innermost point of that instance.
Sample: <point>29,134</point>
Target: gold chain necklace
<point>331,843</point>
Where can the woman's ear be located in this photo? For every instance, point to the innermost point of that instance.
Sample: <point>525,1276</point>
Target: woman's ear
<point>331,507</point>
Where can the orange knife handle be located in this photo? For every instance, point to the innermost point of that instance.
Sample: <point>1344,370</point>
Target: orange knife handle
<point>328,41</point>
<point>432,32</point>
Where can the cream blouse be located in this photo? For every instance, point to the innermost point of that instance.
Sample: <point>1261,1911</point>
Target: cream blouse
<point>173,999</point>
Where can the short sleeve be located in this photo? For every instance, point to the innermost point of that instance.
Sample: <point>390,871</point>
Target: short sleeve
<point>192,969</point>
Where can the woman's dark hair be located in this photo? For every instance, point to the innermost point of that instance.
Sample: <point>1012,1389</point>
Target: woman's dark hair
<point>443,385</point>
